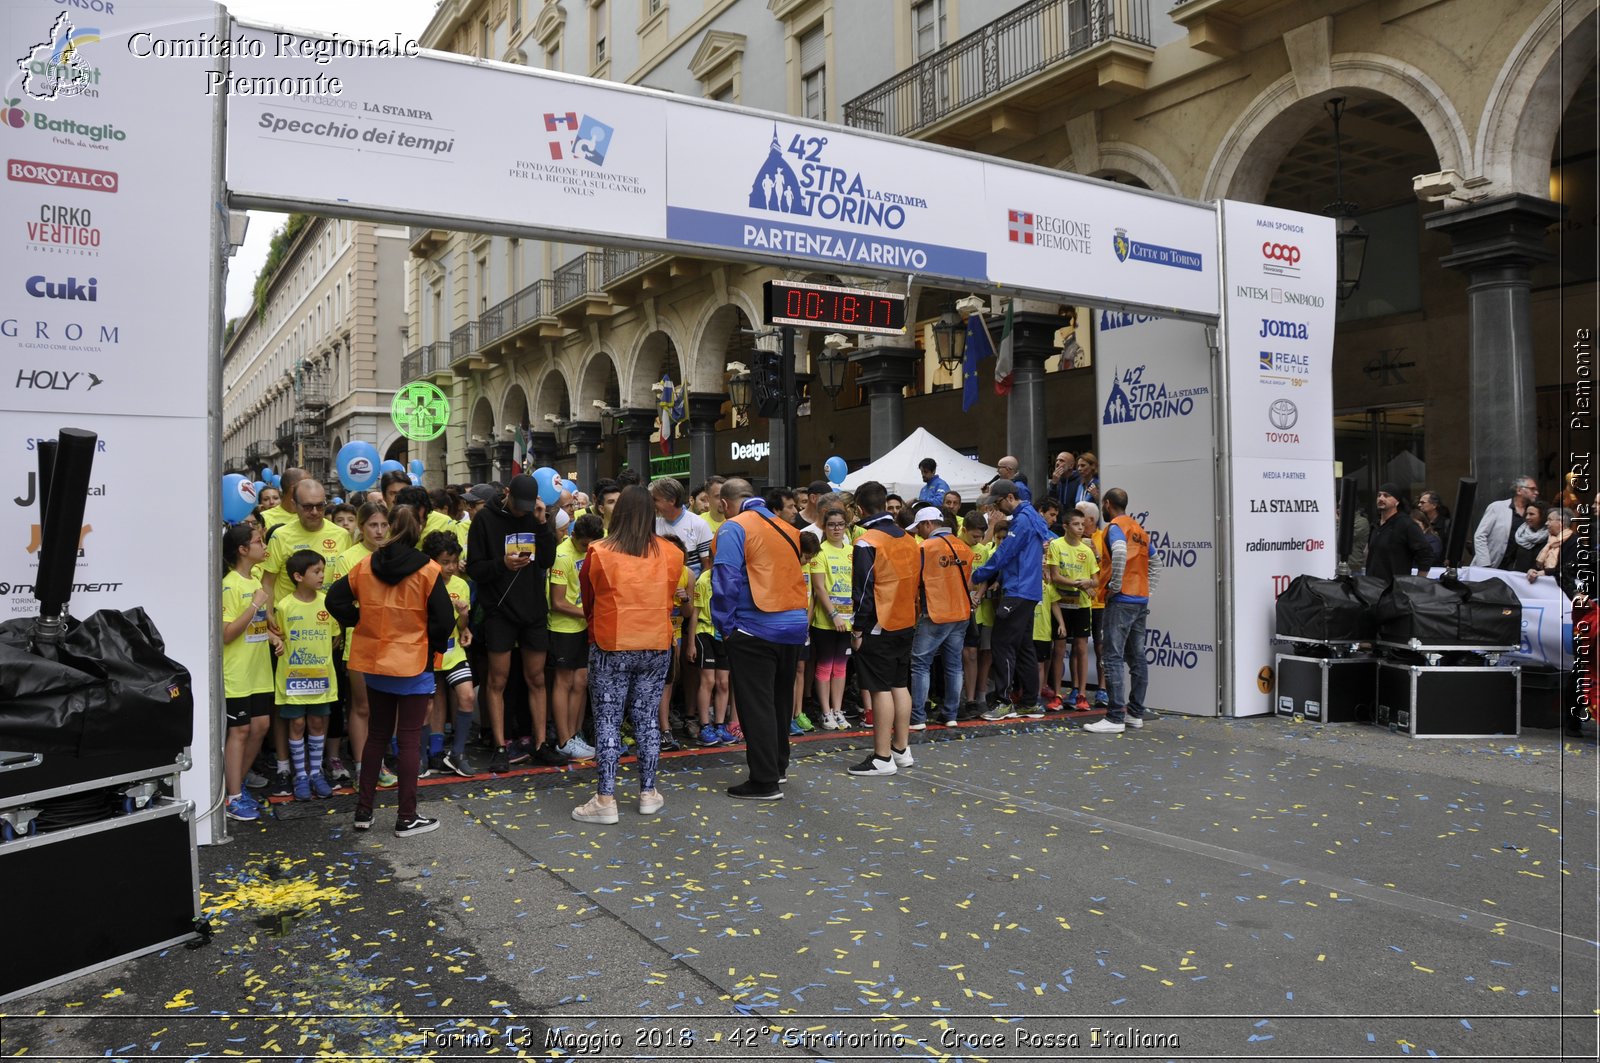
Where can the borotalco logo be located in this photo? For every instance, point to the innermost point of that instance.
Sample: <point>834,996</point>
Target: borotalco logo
<point>71,288</point>
<point>56,176</point>
<point>62,226</point>
<point>1134,399</point>
<point>752,451</point>
<point>1283,415</point>
<point>1289,330</point>
<point>1161,650</point>
<point>1280,260</point>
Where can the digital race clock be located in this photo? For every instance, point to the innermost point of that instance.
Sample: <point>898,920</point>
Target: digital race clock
<point>830,307</point>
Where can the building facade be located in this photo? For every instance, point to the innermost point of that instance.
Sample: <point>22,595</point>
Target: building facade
<point>1466,156</point>
<point>316,362</point>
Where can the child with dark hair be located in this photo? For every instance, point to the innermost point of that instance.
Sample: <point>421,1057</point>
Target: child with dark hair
<point>452,672</point>
<point>307,685</point>
<point>569,637</point>
<point>247,642</point>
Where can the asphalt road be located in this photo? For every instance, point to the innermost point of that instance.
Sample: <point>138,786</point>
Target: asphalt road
<point>1200,889</point>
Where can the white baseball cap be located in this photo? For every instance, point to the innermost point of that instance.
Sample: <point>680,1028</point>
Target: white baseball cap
<point>932,513</point>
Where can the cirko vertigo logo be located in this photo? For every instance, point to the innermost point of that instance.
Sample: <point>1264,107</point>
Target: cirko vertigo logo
<point>60,227</point>
<point>58,176</point>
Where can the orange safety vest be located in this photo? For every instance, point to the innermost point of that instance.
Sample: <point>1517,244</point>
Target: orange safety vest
<point>895,572</point>
<point>772,563</point>
<point>631,606</point>
<point>1136,569</point>
<point>1102,556</point>
<point>946,561</point>
<point>391,638</point>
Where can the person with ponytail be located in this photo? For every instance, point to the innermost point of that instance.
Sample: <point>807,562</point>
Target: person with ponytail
<point>247,645</point>
<point>397,612</point>
<point>628,582</point>
<point>372,528</point>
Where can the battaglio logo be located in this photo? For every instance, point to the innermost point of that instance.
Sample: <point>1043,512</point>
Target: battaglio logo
<point>1134,399</point>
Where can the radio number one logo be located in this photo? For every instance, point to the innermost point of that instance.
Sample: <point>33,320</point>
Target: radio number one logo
<point>420,411</point>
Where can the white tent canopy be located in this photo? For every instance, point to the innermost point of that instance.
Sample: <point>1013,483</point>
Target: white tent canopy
<point>897,470</point>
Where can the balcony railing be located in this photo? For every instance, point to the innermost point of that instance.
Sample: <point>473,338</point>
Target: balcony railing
<point>509,315</point>
<point>993,57</point>
<point>284,436</point>
<point>581,277</point>
<point>620,262</point>
<point>424,361</point>
<point>464,342</point>
<point>258,453</point>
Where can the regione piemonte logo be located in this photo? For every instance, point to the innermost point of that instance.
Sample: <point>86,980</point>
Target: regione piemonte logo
<point>590,137</point>
<point>1051,231</point>
<point>1019,226</point>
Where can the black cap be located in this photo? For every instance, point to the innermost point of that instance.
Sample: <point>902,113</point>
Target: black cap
<point>1394,491</point>
<point>998,489</point>
<point>819,487</point>
<point>483,493</point>
<point>524,491</point>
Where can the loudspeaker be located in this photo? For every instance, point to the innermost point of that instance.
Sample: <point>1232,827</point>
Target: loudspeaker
<point>63,494</point>
<point>1347,517</point>
<point>1466,494</point>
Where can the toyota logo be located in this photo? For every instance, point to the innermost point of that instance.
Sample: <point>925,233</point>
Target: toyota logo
<point>1287,253</point>
<point>1283,414</point>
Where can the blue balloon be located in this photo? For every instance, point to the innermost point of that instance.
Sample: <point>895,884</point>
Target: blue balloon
<point>357,465</point>
<point>258,485</point>
<point>337,501</point>
<point>549,482</point>
<point>266,473</point>
<point>238,498</point>
<point>836,469</point>
<point>389,466</point>
<point>417,467</point>
<point>277,480</point>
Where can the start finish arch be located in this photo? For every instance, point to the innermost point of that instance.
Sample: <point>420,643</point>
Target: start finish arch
<point>442,141</point>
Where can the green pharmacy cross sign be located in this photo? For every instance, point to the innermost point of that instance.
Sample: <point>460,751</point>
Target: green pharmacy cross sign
<point>420,411</point>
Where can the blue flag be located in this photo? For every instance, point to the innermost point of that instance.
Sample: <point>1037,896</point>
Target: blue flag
<point>979,347</point>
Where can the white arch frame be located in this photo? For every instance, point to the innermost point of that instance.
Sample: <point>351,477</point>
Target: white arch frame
<point>1138,162</point>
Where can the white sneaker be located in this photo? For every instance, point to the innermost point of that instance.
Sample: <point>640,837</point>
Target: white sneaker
<point>1135,722</point>
<point>1104,726</point>
<point>902,760</point>
<point>577,749</point>
<point>873,766</point>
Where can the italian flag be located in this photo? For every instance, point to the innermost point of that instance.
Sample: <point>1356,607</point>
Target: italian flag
<point>1002,362</point>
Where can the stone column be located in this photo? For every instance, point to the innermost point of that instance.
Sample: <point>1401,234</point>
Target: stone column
<point>585,437</point>
<point>504,453</point>
<point>637,424</point>
<point>1496,243</point>
<point>705,410</point>
<point>542,449</point>
<point>885,372</point>
<point>1032,341</point>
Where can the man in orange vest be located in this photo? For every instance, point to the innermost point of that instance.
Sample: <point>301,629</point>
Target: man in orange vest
<point>760,601</point>
<point>946,607</point>
<point>1127,609</point>
<point>886,566</point>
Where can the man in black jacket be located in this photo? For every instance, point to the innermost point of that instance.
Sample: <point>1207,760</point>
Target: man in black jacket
<point>1396,546</point>
<point>510,547</point>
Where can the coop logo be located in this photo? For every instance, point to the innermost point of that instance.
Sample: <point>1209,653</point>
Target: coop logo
<point>47,336</point>
<point>56,380</point>
<point>56,67</point>
<point>1161,650</point>
<point>1134,400</point>
<point>71,288</point>
<point>1154,254</point>
<point>1167,551</point>
<point>587,139</point>
<point>752,451</point>
<point>1280,260</point>
<point>1284,368</point>
<point>1049,231</point>
<point>59,228</point>
<point>49,173</point>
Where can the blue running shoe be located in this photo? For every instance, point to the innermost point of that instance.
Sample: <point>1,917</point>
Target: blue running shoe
<point>795,728</point>
<point>1101,699</point>
<point>320,787</point>
<point>710,736</point>
<point>725,736</point>
<point>302,787</point>
<point>243,809</point>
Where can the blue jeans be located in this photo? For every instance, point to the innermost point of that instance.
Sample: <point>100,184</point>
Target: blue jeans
<point>931,641</point>
<point>1125,642</point>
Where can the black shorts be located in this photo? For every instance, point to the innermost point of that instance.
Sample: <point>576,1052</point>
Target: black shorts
<point>569,650</point>
<point>1080,625</point>
<point>884,661</point>
<point>974,637</point>
<point>710,653</point>
<point>454,677</point>
<point>501,633</point>
<point>1041,650</point>
<point>242,710</point>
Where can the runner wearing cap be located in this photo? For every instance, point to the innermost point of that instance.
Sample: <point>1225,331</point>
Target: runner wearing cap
<point>946,581</point>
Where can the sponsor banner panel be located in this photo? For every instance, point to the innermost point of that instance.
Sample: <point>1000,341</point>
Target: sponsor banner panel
<point>1056,233</point>
<point>1283,526</point>
<point>1173,502</point>
<point>403,129</point>
<point>780,189</point>
<point>1153,390</point>
<point>1280,285</point>
<point>86,313</point>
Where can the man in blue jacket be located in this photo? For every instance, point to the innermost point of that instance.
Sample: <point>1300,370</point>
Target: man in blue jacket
<point>1019,566</point>
<point>933,486</point>
<point>760,603</point>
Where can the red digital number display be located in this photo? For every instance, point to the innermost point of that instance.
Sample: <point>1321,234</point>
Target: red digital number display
<point>826,306</point>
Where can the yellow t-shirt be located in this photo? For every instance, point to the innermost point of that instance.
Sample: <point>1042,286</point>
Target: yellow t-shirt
<point>1043,623</point>
<point>834,564</point>
<point>702,605</point>
<point>713,520</point>
<point>437,522</point>
<point>1075,563</point>
<point>454,653</point>
<point>983,613</point>
<point>305,671</point>
<point>330,541</point>
<point>564,571</point>
<point>685,583</point>
<point>247,660</point>
<point>271,518</point>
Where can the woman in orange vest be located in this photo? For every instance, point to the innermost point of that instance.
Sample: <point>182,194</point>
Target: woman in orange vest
<point>628,582</point>
<point>395,606</point>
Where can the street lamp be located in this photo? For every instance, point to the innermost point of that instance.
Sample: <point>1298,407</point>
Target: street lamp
<point>741,387</point>
<point>950,340</point>
<point>1351,239</point>
<point>563,430</point>
<point>832,362</point>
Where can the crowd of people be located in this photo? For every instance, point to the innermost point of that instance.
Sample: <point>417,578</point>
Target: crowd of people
<point>371,641</point>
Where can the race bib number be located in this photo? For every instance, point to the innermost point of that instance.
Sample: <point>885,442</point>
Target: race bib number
<point>304,682</point>
<point>843,606</point>
<point>520,543</point>
<point>257,631</point>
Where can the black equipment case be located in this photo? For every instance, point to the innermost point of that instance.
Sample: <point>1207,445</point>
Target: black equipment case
<point>1326,689</point>
<point>1430,701</point>
<point>1417,613</point>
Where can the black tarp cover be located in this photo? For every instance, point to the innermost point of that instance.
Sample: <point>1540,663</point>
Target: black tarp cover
<point>1450,612</point>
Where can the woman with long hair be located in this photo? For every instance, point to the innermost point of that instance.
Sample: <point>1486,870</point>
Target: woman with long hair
<point>396,610</point>
<point>628,582</point>
<point>372,528</point>
<point>1088,479</point>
